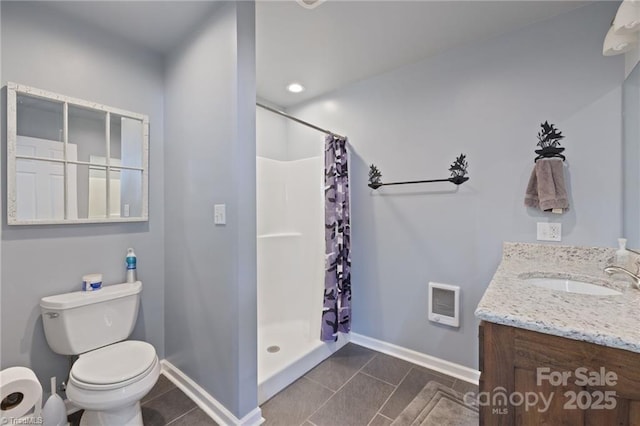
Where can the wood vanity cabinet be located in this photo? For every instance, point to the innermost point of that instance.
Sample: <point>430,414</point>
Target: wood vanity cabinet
<point>510,358</point>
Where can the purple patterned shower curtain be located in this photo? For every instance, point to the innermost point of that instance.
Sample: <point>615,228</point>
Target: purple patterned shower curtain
<point>336,313</point>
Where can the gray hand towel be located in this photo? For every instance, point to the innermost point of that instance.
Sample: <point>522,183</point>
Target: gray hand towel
<point>546,189</point>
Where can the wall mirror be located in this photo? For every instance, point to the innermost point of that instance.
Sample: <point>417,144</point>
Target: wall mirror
<point>74,161</point>
<point>631,157</point>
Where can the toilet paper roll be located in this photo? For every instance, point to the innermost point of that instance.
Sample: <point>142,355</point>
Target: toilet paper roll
<point>20,391</point>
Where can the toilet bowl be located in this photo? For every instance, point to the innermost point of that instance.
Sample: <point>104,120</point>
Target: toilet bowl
<point>111,375</point>
<point>109,382</point>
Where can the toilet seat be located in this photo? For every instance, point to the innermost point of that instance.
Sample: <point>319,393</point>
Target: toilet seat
<point>113,366</point>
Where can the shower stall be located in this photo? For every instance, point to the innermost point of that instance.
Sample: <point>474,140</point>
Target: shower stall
<point>290,225</point>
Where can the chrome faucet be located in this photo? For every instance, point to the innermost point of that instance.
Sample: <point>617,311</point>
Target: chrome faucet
<point>635,277</point>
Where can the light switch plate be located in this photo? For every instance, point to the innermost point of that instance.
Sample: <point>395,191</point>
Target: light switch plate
<point>220,214</point>
<point>548,231</point>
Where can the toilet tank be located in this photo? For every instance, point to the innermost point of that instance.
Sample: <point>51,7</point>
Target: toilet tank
<point>81,321</point>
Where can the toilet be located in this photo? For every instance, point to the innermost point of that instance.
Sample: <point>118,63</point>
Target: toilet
<point>111,374</point>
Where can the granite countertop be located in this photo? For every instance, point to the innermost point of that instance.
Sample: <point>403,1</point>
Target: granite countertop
<point>612,321</point>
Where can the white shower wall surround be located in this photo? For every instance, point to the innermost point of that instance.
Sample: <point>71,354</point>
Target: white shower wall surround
<point>290,225</point>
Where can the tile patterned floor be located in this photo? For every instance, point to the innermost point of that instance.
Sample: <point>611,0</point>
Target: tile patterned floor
<point>355,386</point>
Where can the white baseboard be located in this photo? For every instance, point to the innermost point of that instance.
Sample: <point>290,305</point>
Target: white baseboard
<point>440,365</point>
<point>205,401</point>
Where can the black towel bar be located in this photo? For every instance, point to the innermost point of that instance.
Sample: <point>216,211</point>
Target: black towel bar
<point>458,171</point>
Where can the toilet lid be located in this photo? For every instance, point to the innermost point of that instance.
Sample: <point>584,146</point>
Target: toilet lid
<point>114,363</point>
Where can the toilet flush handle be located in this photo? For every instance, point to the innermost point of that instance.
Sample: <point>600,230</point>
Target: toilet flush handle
<point>52,314</point>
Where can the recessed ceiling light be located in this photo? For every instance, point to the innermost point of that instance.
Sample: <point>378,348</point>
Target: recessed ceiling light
<point>295,87</point>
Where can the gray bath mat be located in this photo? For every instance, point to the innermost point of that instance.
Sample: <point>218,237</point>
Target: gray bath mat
<point>438,405</point>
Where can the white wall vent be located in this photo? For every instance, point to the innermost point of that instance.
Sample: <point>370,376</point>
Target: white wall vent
<point>444,304</point>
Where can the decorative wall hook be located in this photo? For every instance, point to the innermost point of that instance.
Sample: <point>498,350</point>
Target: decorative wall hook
<point>549,142</point>
<point>458,175</point>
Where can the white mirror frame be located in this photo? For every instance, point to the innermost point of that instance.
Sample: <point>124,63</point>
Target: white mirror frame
<point>13,89</point>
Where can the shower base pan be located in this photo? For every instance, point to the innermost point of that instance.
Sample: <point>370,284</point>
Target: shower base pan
<point>286,352</point>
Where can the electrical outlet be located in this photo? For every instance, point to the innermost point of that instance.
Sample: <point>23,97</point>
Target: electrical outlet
<point>549,231</point>
<point>555,231</point>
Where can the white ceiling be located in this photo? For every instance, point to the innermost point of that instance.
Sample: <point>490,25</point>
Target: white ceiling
<point>341,42</point>
<point>328,47</point>
<point>155,25</point>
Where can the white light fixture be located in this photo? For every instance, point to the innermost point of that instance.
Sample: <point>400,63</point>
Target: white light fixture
<point>310,4</point>
<point>627,19</point>
<point>616,44</point>
<point>295,88</point>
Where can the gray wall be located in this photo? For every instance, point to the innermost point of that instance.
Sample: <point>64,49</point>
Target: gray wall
<point>632,58</point>
<point>486,100</point>
<point>210,298</point>
<point>43,49</point>
<point>631,157</point>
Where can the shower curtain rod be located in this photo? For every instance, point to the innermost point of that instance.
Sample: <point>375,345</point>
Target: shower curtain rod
<point>290,117</point>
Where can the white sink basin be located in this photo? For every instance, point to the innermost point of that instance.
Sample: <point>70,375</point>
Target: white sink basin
<point>571,286</point>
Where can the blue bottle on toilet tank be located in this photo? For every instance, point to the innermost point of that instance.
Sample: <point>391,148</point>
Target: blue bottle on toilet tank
<point>131,266</point>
